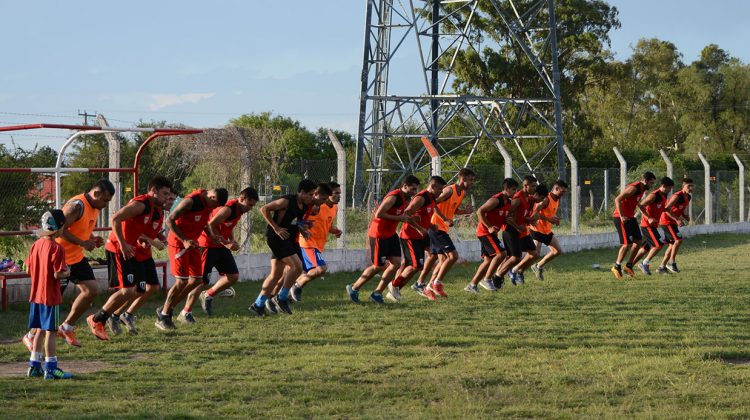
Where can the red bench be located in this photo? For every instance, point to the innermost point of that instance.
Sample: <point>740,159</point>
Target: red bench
<point>4,277</point>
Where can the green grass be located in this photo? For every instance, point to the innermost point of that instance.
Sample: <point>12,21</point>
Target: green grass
<point>577,345</point>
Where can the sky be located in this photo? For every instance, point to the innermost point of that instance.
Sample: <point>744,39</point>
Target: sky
<point>202,63</point>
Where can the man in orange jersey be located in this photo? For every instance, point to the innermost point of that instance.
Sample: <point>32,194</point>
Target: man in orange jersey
<point>491,219</point>
<point>541,231</point>
<point>219,254</point>
<point>81,213</point>
<point>626,225</point>
<point>673,217</point>
<point>441,244</point>
<point>531,253</point>
<point>185,224</point>
<point>320,221</point>
<point>128,224</point>
<point>654,204</point>
<point>384,246</point>
<point>516,237</point>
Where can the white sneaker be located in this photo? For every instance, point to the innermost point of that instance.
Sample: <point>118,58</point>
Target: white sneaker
<point>390,297</point>
<point>488,284</point>
<point>394,293</point>
<point>471,288</point>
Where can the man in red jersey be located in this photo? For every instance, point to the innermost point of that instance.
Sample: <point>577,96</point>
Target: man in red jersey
<point>414,237</point>
<point>219,254</point>
<point>516,237</point>
<point>654,204</point>
<point>491,216</point>
<point>626,225</point>
<point>517,272</point>
<point>185,225</point>
<point>541,230</point>
<point>673,217</point>
<point>383,240</point>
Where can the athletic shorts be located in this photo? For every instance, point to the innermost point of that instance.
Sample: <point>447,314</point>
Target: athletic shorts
<point>651,237</point>
<point>219,258</point>
<point>413,251</point>
<point>146,274</point>
<point>282,248</point>
<point>490,245</point>
<point>311,258</point>
<point>383,248</point>
<point>671,233</point>
<point>185,262</point>
<point>44,316</point>
<point>628,232</point>
<point>515,246</point>
<point>440,242</point>
<point>122,272</point>
<point>545,238</point>
<point>81,271</point>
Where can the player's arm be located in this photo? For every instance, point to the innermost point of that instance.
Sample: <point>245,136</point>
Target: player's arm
<point>183,207</point>
<point>130,211</point>
<point>212,227</point>
<point>416,203</point>
<point>275,205</point>
<point>488,205</point>
<point>387,204</point>
<point>626,193</point>
<point>668,208</point>
<point>511,219</point>
<point>645,202</point>
<point>61,270</point>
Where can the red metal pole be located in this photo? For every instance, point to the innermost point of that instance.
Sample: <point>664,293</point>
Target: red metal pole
<point>159,133</point>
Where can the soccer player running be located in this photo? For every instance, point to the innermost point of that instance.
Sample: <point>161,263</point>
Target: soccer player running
<point>219,254</point>
<point>128,224</point>
<point>517,272</point>
<point>413,236</point>
<point>516,237</point>
<point>441,244</point>
<point>626,225</point>
<point>185,224</point>
<point>491,219</point>
<point>385,250</point>
<point>320,223</point>
<point>284,218</point>
<point>673,217</point>
<point>81,213</point>
<point>541,231</point>
<point>654,205</point>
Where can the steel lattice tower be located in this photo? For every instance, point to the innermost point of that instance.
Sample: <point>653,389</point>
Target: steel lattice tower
<point>391,125</point>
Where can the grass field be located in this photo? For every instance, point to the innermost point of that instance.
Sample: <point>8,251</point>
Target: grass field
<point>577,345</point>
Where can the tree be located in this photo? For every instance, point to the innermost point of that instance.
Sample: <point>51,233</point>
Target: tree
<point>22,204</point>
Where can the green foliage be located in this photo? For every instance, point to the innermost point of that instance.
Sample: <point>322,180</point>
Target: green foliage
<point>21,204</point>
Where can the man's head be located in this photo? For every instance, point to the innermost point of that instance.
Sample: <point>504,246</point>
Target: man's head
<point>101,193</point>
<point>687,185</point>
<point>649,179</point>
<point>529,184</point>
<point>559,188</point>
<point>305,191</point>
<point>170,199</point>
<point>247,198</point>
<point>436,185</point>
<point>510,186</point>
<point>51,224</point>
<point>410,185</point>
<point>466,178</point>
<point>540,193</point>
<point>666,184</point>
<point>217,197</point>
<point>335,196</point>
<point>160,188</point>
<point>322,193</point>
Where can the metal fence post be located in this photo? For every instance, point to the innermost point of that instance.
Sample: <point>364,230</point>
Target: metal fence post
<point>670,168</point>
<point>623,169</point>
<point>114,162</point>
<point>575,192</point>
<point>708,211</point>
<point>341,179</point>
<point>606,190</point>
<point>741,166</point>
<point>508,160</point>
<point>436,167</point>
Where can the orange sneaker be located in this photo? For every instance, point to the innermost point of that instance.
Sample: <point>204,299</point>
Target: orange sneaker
<point>438,289</point>
<point>429,293</point>
<point>28,342</point>
<point>69,336</point>
<point>617,272</point>
<point>629,271</point>
<point>97,328</point>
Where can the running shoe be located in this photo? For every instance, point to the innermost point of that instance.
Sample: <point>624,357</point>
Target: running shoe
<point>97,328</point>
<point>472,288</point>
<point>113,323</point>
<point>164,322</point>
<point>394,292</point>
<point>438,289</point>
<point>538,271</point>
<point>487,284</point>
<point>377,298</point>
<point>662,270</point>
<point>419,288</point>
<point>35,372</point>
<point>271,306</point>
<point>296,293</point>
<point>186,317</point>
<point>645,268</point>
<point>257,310</point>
<point>207,303</point>
<point>429,293</point>
<point>57,373</point>
<point>282,305</point>
<point>673,267</point>
<point>69,336</point>
<point>629,271</point>
<point>353,294</point>
<point>519,278</point>
<point>128,321</point>
<point>498,281</point>
<point>617,271</point>
<point>28,342</point>
<point>513,277</point>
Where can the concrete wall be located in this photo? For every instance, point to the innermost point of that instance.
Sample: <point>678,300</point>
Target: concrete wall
<point>257,266</point>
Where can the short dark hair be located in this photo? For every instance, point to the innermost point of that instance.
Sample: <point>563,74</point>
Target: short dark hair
<point>222,195</point>
<point>438,179</point>
<point>464,172</point>
<point>648,176</point>
<point>687,180</point>
<point>562,184</point>
<point>667,181</point>
<point>325,188</point>
<point>530,178</point>
<point>509,183</point>
<point>542,190</point>
<point>159,182</point>
<point>104,185</point>
<point>334,185</point>
<point>249,193</point>
<point>411,180</point>
<point>306,185</point>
